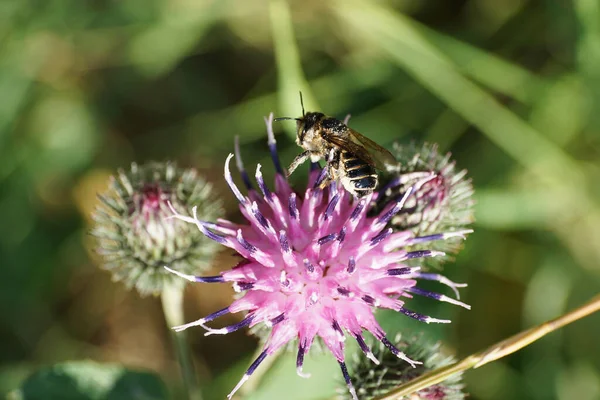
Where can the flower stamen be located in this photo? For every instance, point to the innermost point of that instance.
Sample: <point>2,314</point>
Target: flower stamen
<point>443,280</point>
<point>199,279</point>
<point>229,180</point>
<point>365,349</point>
<point>348,380</point>
<point>437,296</point>
<point>398,353</point>
<point>249,372</point>
<point>231,328</point>
<point>240,163</point>
<point>422,317</point>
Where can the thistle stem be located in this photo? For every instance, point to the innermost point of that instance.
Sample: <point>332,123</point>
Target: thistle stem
<point>494,352</point>
<point>172,303</point>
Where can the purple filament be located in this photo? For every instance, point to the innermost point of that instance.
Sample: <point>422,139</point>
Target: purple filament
<point>357,210</point>
<point>381,236</point>
<point>351,265</point>
<point>348,380</point>
<point>429,238</point>
<point>321,177</point>
<point>283,241</point>
<point>327,238</point>
<point>370,300</point>
<point>331,206</point>
<point>342,235</point>
<point>309,267</point>
<point>261,184</point>
<point>292,207</point>
<point>259,216</point>
<point>277,319</point>
<point>414,315</point>
<point>256,363</point>
<point>209,279</point>
<point>245,285</point>
<point>243,323</point>
<point>399,271</point>
<point>216,314</point>
<point>420,254</point>
<point>245,244</point>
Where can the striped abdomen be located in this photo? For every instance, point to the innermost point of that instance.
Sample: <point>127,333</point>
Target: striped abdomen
<point>361,178</point>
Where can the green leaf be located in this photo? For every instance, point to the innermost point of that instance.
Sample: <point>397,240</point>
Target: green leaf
<point>88,380</point>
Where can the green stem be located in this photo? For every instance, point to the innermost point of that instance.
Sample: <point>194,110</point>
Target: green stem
<point>172,302</point>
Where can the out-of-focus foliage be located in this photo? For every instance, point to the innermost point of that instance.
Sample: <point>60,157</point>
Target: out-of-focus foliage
<point>87,380</point>
<point>512,88</point>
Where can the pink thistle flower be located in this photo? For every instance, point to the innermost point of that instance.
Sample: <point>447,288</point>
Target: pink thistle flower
<point>315,265</point>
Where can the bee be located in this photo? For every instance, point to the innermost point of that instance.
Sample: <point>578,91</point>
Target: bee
<point>351,158</point>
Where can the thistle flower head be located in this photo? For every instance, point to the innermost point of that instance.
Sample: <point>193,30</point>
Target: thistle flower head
<point>442,203</point>
<point>137,237</point>
<point>372,382</point>
<point>315,265</point>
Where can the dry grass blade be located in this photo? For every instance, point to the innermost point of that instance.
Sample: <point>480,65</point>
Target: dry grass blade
<point>495,352</point>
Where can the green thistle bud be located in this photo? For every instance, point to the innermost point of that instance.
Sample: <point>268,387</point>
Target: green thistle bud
<point>372,380</point>
<point>444,203</point>
<point>136,236</point>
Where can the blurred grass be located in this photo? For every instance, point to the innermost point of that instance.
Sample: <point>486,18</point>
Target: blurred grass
<point>290,76</point>
<point>425,63</point>
<point>511,88</point>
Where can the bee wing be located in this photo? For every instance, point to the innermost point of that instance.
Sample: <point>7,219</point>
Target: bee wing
<point>345,143</point>
<point>363,148</point>
<point>381,155</point>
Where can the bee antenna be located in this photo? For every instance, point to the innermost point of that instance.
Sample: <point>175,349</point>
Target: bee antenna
<point>302,104</point>
<point>285,119</point>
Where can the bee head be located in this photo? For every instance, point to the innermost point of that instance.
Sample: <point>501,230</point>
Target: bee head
<point>308,126</point>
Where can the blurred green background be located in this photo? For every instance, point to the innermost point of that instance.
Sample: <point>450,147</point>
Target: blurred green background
<point>511,88</point>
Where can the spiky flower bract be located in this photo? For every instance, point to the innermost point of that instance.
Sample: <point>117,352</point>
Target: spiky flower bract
<point>373,381</point>
<point>135,235</point>
<point>314,265</point>
<point>443,203</point>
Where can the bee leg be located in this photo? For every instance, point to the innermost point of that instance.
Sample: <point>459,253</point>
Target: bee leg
<point>324,179</point>
<point>324,182</point>
<point>300,159</point>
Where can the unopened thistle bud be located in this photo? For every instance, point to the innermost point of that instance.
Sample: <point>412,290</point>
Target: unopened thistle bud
<point>137,236</point>
<point>373,381</point>
<point>441,198</point>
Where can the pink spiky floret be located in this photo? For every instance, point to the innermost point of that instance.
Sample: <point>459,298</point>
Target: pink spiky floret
<point>315,265</point>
